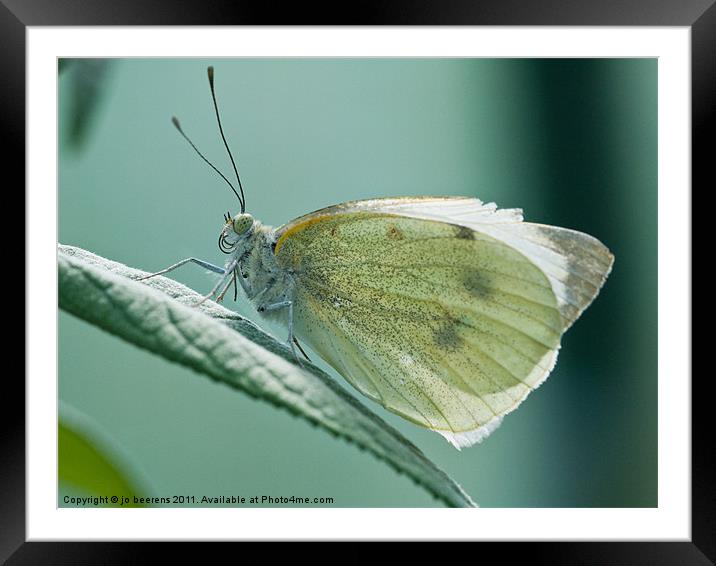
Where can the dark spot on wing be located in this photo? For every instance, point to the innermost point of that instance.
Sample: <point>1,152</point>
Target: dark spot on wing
<point>477,283</point>
<point>464,233</point>
<point>394,233</point>
<point>446,337</point>
<point>318,291</point>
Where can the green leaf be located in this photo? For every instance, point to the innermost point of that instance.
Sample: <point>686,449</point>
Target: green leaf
<point>158,315</point>
<point>90,460</point>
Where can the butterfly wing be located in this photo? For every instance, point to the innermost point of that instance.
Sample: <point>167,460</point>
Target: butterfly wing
<point>436,307</point>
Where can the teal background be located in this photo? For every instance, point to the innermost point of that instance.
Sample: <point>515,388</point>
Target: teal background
<point>571,141</point>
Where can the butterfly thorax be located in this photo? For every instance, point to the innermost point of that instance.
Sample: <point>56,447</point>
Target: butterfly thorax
<point>263,280</point>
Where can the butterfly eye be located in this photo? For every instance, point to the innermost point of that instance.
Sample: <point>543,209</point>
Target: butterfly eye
<point>242,223</point>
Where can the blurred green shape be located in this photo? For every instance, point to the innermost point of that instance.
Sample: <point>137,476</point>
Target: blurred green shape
<point>63,65</point>
<point>87,78</point>
<point>91,461</point>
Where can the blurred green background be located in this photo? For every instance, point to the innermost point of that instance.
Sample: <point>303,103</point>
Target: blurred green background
<point>571,141</point>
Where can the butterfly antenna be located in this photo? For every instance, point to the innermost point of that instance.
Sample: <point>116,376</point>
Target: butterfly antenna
<point>242,199</point>
<point>177,125</point>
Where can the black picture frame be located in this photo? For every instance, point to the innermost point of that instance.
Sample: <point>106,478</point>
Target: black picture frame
<point>699,15</point>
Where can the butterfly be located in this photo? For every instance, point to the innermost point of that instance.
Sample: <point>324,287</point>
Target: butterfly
<point>444,310</point>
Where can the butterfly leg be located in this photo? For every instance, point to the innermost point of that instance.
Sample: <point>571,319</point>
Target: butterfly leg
<point>243,280</point>
<point>298,345</point>
<point>228,274</point>
<point>232,281</point>
<point>291,341</point>
<point>202,263</point>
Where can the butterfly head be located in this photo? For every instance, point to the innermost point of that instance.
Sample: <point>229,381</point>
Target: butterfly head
<point>236,229</point>
<point>242,223</point>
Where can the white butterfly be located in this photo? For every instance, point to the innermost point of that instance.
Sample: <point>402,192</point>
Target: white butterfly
<point>445,310</point>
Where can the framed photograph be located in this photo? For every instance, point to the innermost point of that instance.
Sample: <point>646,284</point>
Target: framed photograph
<point>412,220</point>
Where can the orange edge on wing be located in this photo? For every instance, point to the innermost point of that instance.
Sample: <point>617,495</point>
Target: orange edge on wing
<point>331,212</point>
<point>297,228</point>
